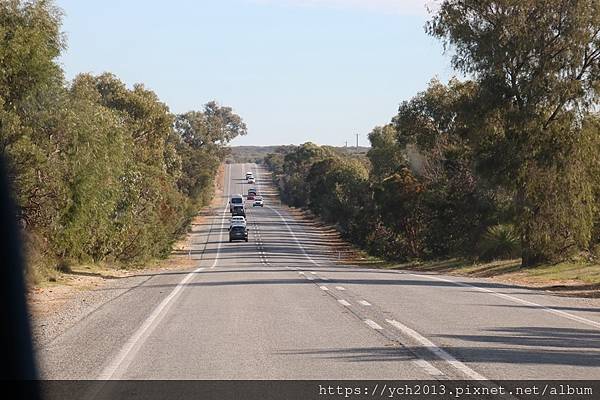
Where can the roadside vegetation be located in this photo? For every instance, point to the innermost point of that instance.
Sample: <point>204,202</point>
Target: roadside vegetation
<point>101,172</point>
<point>503,165</point>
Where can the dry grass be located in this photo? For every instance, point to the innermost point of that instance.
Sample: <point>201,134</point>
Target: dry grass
<point>571,278</point>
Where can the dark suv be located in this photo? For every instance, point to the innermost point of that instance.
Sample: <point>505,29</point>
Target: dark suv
<point>238,210</point>
<point>238,232</point>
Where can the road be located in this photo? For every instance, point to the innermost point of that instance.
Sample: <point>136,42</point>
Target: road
<point>279,307</point>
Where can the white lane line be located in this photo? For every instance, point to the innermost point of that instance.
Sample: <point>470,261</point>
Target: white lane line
<point>310,278</point>
<point>325,288</point>
<point>431,370</point>
<point>344,303</point>
<point>294,236</point>
<point>518,300</point>
<point>373,324</point>
<point>340,288</point>
<point>301,272</point>
<point>117,366</point>
<point>323,278</point>
<point>429,345</point>
<point>314,273</point>
<point>364,303</point>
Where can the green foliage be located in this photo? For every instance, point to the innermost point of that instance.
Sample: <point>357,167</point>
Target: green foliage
<point>537,64</point>
<point>500,242</point>
<point>202,137</point>
<point>101,172</point>
<point>295,170</point>
<point>339,192</point>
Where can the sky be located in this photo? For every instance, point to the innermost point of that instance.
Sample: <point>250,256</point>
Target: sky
<point>294,70</point>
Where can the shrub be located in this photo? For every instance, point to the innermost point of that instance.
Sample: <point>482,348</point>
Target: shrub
<point>500,242</point>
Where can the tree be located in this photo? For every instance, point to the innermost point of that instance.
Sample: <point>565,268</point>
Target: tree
<point>537,64</point>
<point>339,193</point>
<point>214,125</point>
<point>30,82</point>
<point>296,167</point>
<point>386,155</point>
<point>202,137</point>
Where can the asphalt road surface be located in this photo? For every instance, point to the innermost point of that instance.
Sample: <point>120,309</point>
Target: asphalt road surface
<point>278,307</point>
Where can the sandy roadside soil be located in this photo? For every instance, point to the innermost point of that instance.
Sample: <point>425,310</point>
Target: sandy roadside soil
<point>54,306</point>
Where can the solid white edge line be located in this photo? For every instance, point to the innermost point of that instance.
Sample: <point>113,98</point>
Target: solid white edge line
<point>373,324</point>
<point>517,300</point>
<point>118,364</point>
<point>429,345</point>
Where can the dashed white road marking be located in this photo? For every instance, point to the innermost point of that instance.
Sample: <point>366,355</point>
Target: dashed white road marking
<point>325,288</point>
<point>314,273</point>
<point>364,303</point>
<point>340,288</point>
<point>373,324</point>
<point>436,350</point>
<point>344,303</point>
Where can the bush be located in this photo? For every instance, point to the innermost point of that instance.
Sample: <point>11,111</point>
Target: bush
<point>500,242</point>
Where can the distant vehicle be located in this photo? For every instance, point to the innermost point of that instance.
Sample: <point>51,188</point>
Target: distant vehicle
<point>251,194</point>
<point>251,180</point>
<point>249,175</point>
<point>236,200</point>
<point>237,220</point>
<point>239,210</point>
<point>258,202</point>
<point>238,232</point>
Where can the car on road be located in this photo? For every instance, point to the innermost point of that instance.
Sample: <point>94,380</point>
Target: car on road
<point>251,180</point>
<point>236,201</point>
<point>238,232</point>
<point>239,210</point>
<point>237,220</point>
<point>258,202</point>
<point>251,194</point>
<point>249,175</point>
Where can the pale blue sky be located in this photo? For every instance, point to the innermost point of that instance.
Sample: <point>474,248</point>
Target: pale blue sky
<point>295,70</point>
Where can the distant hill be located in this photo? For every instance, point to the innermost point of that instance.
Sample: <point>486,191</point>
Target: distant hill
<point>246,154</point>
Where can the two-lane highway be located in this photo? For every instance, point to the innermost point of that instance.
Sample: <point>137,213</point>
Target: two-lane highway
<point>279,307</point>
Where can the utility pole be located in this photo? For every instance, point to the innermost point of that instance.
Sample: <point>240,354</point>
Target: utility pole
<point>357,142</point>
<point>346,146</point>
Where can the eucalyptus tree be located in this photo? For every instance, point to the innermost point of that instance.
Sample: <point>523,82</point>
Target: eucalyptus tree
<point>537,64</point>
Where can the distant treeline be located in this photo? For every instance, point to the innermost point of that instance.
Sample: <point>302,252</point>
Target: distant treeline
<point>100,171</point>
<point>506,164</point>
<point>257,154</point>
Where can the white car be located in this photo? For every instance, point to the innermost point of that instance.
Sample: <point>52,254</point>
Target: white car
<point>237,220</point>
<point>251,180</point>
<point>258,202</point>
